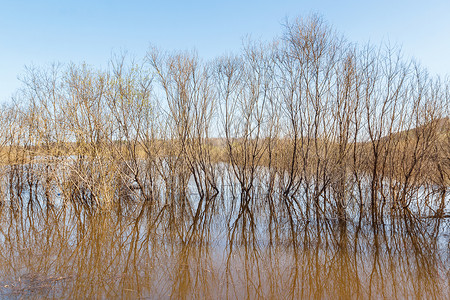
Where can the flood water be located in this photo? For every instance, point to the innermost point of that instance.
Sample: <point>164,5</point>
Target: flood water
<point>307,167</point>
<point>66,250</point>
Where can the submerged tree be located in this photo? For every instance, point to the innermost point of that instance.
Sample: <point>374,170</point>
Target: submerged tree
<point>307,128</point>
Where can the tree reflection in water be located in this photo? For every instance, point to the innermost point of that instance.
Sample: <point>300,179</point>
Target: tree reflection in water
<point>69,252</point>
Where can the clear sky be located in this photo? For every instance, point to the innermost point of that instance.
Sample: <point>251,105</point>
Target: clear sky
<point>39,32</point>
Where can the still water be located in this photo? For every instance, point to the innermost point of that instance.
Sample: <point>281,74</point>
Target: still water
<point>69,251</point>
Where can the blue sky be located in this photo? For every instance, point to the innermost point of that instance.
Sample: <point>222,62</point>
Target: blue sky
<point>41,32</point>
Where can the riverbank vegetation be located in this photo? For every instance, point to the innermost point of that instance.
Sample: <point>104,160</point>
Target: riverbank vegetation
<point>304,127</point>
